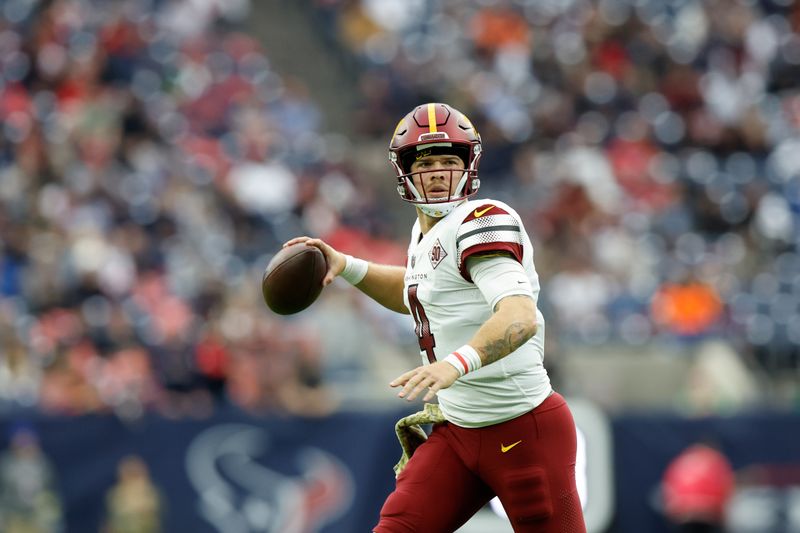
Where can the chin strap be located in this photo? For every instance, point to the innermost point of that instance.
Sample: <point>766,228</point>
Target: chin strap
<point>439,210</point>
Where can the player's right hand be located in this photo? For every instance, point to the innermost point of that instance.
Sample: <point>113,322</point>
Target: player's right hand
<point>333,257</point>
<point>434,377</point>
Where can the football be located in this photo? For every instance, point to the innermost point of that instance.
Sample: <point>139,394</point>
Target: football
<point>293,278</point>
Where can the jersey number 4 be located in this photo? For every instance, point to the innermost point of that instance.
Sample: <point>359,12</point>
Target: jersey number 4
<point>423,328</point>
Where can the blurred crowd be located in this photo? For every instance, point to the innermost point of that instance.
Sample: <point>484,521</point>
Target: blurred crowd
<point>152,159</point>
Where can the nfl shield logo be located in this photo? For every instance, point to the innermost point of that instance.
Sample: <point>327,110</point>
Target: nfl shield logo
<point>437,254</point>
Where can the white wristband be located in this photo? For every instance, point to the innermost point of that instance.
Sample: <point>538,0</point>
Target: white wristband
<point>465,360</point>
<point>354,269</point>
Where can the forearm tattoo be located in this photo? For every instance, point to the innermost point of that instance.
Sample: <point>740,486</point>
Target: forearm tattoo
<point>516,335</point>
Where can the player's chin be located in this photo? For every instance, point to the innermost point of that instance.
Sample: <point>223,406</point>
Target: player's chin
<point>437,196</point>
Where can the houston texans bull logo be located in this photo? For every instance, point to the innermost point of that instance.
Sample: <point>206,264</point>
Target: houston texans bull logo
<point>239,494</point>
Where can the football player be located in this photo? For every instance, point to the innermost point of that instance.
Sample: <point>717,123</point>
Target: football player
<point>471,287</point>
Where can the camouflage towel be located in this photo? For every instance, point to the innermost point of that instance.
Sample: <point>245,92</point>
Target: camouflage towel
<point>411,435</point>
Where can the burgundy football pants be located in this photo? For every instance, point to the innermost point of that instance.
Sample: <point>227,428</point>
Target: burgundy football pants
<point>528,462</point>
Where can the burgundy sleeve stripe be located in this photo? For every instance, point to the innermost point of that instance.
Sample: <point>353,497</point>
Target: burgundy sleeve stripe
<point>469,234</point>
<point>512,247</point>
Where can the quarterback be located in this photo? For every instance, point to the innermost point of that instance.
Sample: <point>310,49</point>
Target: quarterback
<point>471,287</point>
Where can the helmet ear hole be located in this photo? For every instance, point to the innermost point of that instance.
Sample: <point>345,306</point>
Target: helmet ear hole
<point>407,158</point>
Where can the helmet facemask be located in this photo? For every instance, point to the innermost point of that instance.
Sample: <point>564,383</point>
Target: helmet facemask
<point>466,179</point>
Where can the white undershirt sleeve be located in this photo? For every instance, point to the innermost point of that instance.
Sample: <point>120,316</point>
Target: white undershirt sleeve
<point>499,276</point>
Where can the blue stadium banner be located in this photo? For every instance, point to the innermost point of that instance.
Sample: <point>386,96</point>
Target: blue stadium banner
<point>235,473</point>
<point>763,450</point>
<point>231,473</point>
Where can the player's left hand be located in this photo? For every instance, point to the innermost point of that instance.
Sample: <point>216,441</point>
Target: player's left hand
<point>434,377</point>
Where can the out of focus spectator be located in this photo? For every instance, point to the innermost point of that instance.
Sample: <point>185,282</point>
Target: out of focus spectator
<point>696,488</point>
<point>29,499</point>
<point>134,504</point>
<point>686,309</point>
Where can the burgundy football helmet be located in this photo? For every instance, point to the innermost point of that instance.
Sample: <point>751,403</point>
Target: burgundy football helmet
<point>432,129</point>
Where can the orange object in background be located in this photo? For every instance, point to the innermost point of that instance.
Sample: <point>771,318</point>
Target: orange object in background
<point>493,29</point>
<point>686,308</point>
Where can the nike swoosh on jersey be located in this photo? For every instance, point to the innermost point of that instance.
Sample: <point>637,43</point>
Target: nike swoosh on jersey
<point>504,449</point>
<point>482,212</point>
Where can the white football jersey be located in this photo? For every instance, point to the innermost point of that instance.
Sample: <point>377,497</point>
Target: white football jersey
<point>448,308</point>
